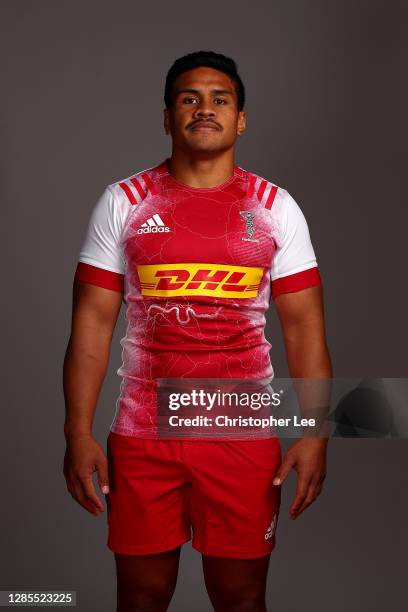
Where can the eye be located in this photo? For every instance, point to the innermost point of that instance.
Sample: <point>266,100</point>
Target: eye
<point>222,100</point>
<point>188,100</point>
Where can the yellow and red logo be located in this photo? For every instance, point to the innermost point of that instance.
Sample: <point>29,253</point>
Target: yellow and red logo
<point>171,280</point>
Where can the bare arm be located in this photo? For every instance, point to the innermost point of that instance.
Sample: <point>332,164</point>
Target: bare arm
<point>301,315</point>
<point>94,314</point>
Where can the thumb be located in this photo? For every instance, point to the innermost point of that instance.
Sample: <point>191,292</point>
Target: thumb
<point>283,470</point>
<point>103,476</point>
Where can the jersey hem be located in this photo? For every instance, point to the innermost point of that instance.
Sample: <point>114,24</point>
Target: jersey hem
<point>99,277</point>
<point>97,264</point>
<point>295,271</point>
<point>144,436</point>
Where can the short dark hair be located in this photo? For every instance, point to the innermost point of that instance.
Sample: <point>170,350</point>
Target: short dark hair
<point>211,60</point>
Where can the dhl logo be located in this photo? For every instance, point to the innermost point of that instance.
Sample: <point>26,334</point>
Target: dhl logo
<point>170,280</point>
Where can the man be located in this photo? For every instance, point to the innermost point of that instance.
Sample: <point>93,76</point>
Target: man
<point>195,246</point>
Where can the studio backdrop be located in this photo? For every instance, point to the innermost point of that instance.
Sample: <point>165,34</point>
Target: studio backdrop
<point>82,106</point>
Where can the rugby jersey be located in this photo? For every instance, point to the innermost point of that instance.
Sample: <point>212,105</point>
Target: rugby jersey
<point>197,268</point>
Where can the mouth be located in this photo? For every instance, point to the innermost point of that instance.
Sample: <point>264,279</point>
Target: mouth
<point>204,126</point>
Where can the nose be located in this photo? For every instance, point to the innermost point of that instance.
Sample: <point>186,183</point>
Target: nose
<point>204,109</point>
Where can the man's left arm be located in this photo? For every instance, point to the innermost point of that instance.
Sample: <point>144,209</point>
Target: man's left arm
<point>301,315</point>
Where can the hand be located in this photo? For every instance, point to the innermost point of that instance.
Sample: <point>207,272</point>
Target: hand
<point>308,457</point>
<point>83,456</point>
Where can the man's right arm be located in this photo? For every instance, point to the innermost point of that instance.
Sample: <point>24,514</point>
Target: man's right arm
<point>95,311</point>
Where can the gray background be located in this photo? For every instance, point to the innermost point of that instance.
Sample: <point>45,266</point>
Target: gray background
<point>81,108</point>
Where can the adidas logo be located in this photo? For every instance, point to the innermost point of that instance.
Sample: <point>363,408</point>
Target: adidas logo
<point>271,529</point>
<point>153,225</point>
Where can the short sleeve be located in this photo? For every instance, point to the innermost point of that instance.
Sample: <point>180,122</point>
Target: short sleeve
<point>294,265</point>
<point>100,260</point>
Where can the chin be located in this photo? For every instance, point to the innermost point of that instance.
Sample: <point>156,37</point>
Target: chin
<point>206,147</point>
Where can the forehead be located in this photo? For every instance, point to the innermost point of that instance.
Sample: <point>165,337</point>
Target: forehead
<point>204,78</point>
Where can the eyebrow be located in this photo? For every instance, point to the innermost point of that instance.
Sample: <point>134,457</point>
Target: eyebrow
<point>197,91</point>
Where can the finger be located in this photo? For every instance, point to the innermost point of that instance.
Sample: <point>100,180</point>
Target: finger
<point>309,499</point>
<point>319,488</point>
<point>68,480</point>
<point>82,500</point>
<point>283,470</point>
<point>301,493</point>
<point>314,491</point>
<point>73,488</point>
<point>89,491</point>
<point>103,476</point>
<point>306,503</point>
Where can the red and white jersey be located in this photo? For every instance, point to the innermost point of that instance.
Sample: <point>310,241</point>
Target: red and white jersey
<point>197,268</point>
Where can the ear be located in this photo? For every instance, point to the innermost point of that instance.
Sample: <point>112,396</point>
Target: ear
<point>166,121</point>
<point>241,125</point>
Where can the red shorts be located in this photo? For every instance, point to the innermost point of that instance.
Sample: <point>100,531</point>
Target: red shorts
<point>160,490</point>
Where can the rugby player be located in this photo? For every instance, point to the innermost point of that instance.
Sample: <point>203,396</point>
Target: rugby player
<point>196,247</point>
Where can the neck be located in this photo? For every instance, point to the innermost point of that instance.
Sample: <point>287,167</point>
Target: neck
<point>202,172</point>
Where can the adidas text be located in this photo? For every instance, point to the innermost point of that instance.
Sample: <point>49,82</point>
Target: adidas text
<point>153,229</point>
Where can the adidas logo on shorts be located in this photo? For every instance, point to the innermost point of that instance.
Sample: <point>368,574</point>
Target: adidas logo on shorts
<point>271,529</point>
<point>153,225</point>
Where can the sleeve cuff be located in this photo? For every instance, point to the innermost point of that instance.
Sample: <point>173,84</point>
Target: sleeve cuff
<point>98,276</point>
<point>296,282</point>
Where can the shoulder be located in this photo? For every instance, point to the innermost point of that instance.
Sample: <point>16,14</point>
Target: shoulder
<point>267,192</point>
<point>131,190</point>
<point>285,212</point>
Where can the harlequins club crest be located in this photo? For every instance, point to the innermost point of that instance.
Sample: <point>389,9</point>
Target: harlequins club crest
<point>249,217</point>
